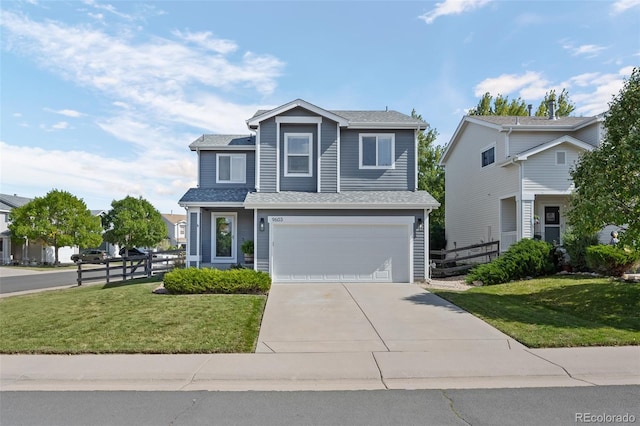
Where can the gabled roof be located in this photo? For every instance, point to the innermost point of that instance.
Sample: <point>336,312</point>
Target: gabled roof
<point>346,118</point>
<point>342,200</point>
<point>8,202</point>
<point>264,115</point>
<point>510,123</point>
<point>174,218</point>
<point>224,142</point>
<point>548,145</point>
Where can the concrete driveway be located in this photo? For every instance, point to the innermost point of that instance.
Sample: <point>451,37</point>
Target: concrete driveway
<point>370,318</point>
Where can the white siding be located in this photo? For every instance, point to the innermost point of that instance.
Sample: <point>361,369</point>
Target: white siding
<point>473,193</point>
<point>543,176</point>
<point>520,142</point>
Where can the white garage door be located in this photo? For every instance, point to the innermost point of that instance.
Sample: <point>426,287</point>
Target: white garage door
<point>369,252</point>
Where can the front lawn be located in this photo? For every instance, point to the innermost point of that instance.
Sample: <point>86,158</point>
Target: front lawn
<point>128,318</point>
<point>558,311</point>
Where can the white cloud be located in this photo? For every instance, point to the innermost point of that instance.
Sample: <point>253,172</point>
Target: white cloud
<point>207,41</point>
<point>452,7</point>
<point>599,90</point>
<point>66,112</point>
<point>620,6</point>
<point>99,180</point>
<point>61,125</point>
<point>108,8</point>
<point>588,50</point>
<point>17,114</point>
<point>509,83</point>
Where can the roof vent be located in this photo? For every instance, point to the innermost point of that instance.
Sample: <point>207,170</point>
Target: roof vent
<point>529,109</point>
<point>551,106</point>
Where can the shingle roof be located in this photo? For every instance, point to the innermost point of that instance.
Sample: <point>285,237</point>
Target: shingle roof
<point>8,202</point>
<point>368,117</point>
<point>507,120</point>
<point>219,141</point>
<point>214,195</point>
<point>345,199</point>
<point>174,218</point>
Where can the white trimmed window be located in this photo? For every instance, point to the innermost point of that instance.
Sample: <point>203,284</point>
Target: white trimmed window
<point>298,155</point>
<point>231,168</point>
<point>377,151</point>
<point>488,156</point>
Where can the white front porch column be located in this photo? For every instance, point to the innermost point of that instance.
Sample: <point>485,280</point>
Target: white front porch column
<point>194,251</point>
<point>525,216</point>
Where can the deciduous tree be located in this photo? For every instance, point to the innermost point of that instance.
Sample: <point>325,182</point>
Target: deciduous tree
<point>56,220</point>
<point>501,106</point>
<point>133,222</point>
<point>564,106</point>
<point>607,179</point>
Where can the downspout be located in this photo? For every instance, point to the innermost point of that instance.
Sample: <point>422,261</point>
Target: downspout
<point>507,144</point>
<point>425,236</point>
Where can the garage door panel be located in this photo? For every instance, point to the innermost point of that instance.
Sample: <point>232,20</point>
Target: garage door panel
<point>336,253</point>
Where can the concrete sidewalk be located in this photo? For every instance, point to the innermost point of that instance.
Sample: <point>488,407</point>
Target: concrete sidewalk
<point>339,337</point>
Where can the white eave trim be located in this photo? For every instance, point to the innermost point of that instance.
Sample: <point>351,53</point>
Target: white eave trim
<point>564,139</point>
<point>388,126</point>
<point>225,148</point>
<point>253,122</point>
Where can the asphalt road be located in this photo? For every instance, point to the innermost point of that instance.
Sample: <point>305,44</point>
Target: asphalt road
<point>548,406</point>
<point>37,280</point>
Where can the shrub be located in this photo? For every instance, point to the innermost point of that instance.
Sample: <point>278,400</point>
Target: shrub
<point>232,281</point>
<point>526,258</point>
<point>611,260</point>
<point>576,246</point>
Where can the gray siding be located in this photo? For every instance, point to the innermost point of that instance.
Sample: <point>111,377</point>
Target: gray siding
<point>329,157</point>
<point>588,134</point>
<point>262,245</point>
<point>268,155</point>
<point>244,230</point>
<point>207,178</point>
<point>193,234</point>
<point>352,178</point>
<point>291,183</point>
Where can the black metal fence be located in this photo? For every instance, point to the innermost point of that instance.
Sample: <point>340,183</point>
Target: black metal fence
<point>128,268</point>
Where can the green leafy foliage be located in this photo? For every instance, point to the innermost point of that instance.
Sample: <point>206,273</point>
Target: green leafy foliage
<point>501,106</point>
<point>58,219</point>
<point>611,260</point>
<point>206,280</point>
<point>564,106</point>
<point>607,179</point>
<point>526,258</point>
<point>133,222</point>
<point>576,246</point>
<point>431,176</point>
<point>247,247</point>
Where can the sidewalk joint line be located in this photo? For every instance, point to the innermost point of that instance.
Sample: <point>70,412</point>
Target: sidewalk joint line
<point>379,371</point>
<point>365,315</point>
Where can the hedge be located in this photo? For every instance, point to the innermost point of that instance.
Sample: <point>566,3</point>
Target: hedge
<point>526,258</point>
<point>206,280</point>
<point>611,260</point>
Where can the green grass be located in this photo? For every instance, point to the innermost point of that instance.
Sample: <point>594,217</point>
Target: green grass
<point>128,318</point>
<point>558,311</point>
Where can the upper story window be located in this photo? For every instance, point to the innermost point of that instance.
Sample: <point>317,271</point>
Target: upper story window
<point>231,168</point>
<point>561,158</point>
<point>298,155</point>
<point>377,151</point>
<point>182,228</point>
<point>488,156</point>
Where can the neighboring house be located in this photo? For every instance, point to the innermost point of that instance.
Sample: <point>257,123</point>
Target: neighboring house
<point>176,229</point>
<point>325,196</point>
<point>507,178</point>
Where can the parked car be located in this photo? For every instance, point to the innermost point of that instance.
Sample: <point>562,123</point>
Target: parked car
<point>89,256</point>
<point>133,252</point>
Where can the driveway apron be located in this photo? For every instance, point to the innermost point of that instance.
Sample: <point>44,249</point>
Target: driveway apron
<point>376,317</point>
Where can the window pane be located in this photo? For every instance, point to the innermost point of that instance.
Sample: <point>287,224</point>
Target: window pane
<point>237,171</point>
<point>224,168</point>
<point>298,164</point>
<point>385,156</point>
<point>369,151</point>
<point>488,157</point>
<point>224,236</point>
<point>298,145</point>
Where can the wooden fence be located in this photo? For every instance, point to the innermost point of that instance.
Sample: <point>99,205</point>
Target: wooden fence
<point>446,265</point>
<point>122,269</point>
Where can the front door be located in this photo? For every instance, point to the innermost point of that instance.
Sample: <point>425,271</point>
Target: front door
<point>552,224</point>
<point>224,237</point>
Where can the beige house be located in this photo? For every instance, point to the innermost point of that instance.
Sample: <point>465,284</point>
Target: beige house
<point>507,177</point>
<point>176,229</point>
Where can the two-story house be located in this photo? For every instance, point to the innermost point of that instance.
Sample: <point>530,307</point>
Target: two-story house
<point>507,177</point>
<point>325,196</point>
<point>176,229</point>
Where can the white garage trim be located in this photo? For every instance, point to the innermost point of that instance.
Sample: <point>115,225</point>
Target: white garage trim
<point>396,231</point>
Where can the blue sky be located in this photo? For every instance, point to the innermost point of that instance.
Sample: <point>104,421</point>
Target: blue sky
<point>102,99</point>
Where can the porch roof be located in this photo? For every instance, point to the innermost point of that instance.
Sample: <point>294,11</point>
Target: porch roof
<point>214,196</point>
